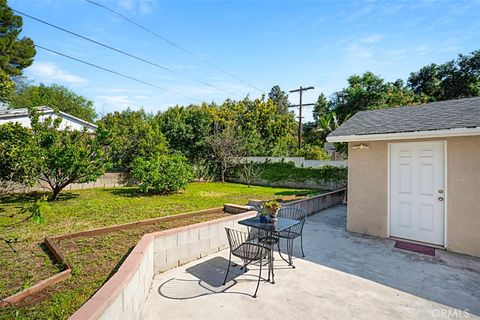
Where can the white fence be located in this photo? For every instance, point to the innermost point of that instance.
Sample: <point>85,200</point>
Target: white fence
<point>300,162</point>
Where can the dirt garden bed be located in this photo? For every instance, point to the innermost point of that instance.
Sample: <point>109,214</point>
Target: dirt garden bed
<point>93,259</point>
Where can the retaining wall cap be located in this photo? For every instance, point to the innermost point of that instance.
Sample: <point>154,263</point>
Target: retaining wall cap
<point>317,196</point>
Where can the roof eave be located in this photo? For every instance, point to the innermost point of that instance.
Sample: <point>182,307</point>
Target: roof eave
<point>457,132</point>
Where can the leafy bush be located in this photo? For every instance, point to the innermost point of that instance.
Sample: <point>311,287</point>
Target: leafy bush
<point>312,152</point>
<point>128,135</point>
<point>161,174</point>
<point>287,171</point>
<point>19,155</point>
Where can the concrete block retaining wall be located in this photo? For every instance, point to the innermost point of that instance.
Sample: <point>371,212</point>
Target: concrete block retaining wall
<point>124,294</point>
<point>318,203</point>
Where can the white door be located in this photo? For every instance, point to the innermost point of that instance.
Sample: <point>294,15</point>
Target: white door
<point>417,191</point>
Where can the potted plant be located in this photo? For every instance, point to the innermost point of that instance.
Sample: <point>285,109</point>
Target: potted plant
<point>264,214</point>
<point>272,208</point>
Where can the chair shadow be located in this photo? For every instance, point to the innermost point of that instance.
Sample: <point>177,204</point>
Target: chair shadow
<point>209,276</point>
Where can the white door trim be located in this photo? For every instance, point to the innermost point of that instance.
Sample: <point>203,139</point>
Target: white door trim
<point>445,222</point>
<point>445,187</point>
<point>388,190</point>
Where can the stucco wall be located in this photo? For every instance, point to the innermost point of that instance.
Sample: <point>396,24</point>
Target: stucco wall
<point>368,191</point>
<point>463,188</point>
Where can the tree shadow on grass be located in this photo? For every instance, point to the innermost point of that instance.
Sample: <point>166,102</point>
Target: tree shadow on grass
<point>134,192</point>
<point>32,196</point>
<point>125,192</point>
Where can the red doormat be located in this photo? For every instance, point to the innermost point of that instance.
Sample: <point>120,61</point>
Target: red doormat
<point>415,248</point>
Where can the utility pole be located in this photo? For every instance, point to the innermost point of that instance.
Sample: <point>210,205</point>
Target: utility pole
<point>300,109</point>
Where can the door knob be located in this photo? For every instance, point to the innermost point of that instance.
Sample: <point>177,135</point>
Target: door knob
<point>440,191</point>
<point>440,198</point>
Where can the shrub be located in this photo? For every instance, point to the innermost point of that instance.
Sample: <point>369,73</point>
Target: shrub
<point>19,156</point>
<point>287,171</point>
<point>312,152</point>
<point>161,174</point>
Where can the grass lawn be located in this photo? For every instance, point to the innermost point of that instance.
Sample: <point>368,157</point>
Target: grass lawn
<point>93,208</point>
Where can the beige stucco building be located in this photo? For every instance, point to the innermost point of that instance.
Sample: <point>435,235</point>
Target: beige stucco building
<point>414,173</point>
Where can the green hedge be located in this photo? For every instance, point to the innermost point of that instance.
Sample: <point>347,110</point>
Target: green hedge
<point>287,171</point>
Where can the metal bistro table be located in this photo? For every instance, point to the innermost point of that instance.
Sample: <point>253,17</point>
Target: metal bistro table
<point>271,229</point>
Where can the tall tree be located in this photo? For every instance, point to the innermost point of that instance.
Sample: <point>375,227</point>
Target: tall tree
<point>320,108</point>
<point>280,99</point>
<point>15,53</point>
<point>367,92</point>
<point>264,131</point>
<point>459,78</point>
<point>55,96</point>
<point>426,82</point>
<point>130,134</point>
<point>186,129</point>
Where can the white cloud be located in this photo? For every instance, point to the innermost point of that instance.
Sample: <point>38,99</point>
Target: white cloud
<point>127,5</point>
<point>50,72</point>
<point>117,101</point>
<point>373,38</point>
<point>358,51</point>
<point>142,7</point>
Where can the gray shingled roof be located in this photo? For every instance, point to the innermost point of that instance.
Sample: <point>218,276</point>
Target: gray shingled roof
<point>449,114</point>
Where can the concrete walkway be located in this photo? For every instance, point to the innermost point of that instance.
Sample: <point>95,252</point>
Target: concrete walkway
<point>344,276</point>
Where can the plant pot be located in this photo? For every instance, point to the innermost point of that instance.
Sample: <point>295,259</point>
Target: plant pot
<point>273,211</point>
<point>263,219</point>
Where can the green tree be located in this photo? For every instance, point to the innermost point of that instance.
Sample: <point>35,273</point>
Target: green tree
<point>367,92</point>
<point>130,134</point>
<point>426,82</point>
<point>16,53</point>
<point>320,108</point>
<point>186,129</point>
<point>459,78</point>
<point>19,161</point>
<point>264,131</point>
<point>67,156</point>
<point>56,97</point>
<point>279,98</point>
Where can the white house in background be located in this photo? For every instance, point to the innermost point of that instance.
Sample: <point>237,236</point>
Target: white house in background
<point>21,116</point>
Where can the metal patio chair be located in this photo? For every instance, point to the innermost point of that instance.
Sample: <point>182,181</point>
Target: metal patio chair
<point>293,232</point>
<point>249,249</point>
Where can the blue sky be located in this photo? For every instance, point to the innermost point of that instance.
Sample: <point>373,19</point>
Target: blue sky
<point>289,43</point>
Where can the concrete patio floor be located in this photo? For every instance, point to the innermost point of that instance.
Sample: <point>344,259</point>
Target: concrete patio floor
<point>343,276</point>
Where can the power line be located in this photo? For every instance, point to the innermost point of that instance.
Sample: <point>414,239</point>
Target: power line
<point>112,71</point>
<point>93,41</point>
<point>175,45</point>
<point>117,50</point>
